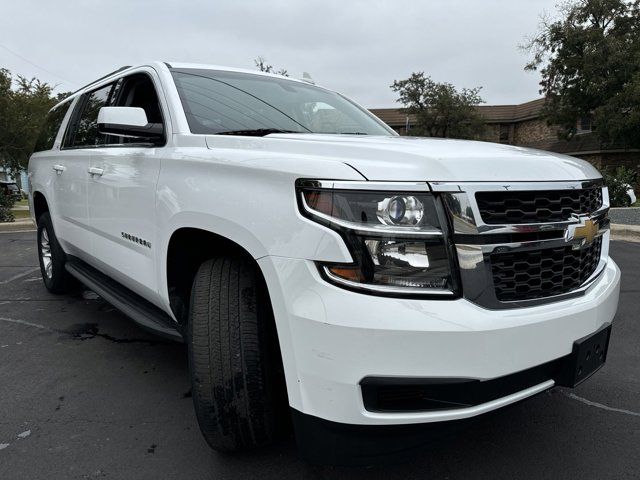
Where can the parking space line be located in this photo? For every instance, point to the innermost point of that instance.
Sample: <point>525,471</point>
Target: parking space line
<point>19,275</point>
<point>23,322</point>
<point>601,406</point>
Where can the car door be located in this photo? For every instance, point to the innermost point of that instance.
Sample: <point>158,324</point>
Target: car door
<point>71,213</point>
<point>122,194</point>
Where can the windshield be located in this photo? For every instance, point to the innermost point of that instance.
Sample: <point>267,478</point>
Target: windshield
<point>220,102</point>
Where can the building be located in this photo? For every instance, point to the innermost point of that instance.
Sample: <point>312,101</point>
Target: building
<point>522,125</point>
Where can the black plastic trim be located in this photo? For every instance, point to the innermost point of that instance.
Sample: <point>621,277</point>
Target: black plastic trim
<point>121,69</point>
<point>405,394</point>
<point>141,311</point>
<point>383,394</point>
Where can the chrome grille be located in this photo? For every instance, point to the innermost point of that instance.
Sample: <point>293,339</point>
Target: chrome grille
<point>527,243</point>
<point>532,274</point>
<point>536,206</point>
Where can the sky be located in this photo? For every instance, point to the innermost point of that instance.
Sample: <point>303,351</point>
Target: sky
<point>357,47</point>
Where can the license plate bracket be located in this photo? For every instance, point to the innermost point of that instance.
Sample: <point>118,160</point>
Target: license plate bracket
<point>588,356</point>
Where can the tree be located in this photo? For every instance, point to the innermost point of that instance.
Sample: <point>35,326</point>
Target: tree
<point>23,106</point>
<point>589,60</point>
<point>440,109</point>
<point>263,66</point>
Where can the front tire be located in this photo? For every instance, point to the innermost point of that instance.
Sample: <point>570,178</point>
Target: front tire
<point>52,258</point>
<point>234,359</point>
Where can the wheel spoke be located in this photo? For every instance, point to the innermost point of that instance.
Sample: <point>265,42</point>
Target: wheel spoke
<point>45,253</point>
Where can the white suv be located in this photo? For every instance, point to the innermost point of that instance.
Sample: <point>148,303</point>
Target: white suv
<point>312,259</point>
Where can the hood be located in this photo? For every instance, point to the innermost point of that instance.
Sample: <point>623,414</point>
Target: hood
<point>430,159</point>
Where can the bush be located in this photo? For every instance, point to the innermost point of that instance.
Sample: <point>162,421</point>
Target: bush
<point>6,204</point>
<point>618,182</point>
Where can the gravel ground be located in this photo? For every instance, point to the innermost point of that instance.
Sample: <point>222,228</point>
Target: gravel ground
<point>625,216</point>
<point>87,394</point>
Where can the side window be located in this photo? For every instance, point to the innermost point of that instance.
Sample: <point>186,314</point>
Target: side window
<point>138,91</point>
<point>85,132</point>
<point>52,124</point>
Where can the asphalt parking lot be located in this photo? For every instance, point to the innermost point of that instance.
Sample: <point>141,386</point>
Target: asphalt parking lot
<point>87,394</point>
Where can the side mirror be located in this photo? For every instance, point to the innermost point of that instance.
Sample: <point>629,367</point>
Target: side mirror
<point>128,122</point>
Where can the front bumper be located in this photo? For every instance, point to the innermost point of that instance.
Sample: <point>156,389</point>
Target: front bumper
<point>331,339</point>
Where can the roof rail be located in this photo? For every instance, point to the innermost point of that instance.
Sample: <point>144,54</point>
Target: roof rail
<point>102,78</point>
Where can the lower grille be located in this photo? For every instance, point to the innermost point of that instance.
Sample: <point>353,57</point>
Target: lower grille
<point>533,274</point>
<point>388,394</point>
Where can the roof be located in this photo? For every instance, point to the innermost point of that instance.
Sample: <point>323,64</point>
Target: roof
<point>578,144</point>
<point>163,65</point>
<point>394,117</point>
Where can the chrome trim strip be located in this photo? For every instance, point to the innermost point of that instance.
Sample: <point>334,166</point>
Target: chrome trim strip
<point>364,185</point>
<point>384,288</point>
<point>498,186</point>
<point>375,229</point>
<point>489,248</point>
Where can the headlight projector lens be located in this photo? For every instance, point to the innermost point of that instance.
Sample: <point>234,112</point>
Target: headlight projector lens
<point>400,211</point>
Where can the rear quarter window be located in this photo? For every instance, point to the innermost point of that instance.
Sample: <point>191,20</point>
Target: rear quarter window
<point>51,126</point>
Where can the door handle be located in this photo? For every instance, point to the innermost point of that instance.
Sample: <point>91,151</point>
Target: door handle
<point>59,169</point>
<point>96,171</point>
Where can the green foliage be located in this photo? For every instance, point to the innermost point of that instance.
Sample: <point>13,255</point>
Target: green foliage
<point>618,182</point>
<point>6,204</point>
<point>23,106</point>
<point>440,109</point>
<point>589,60</point>
<point>263,66</point>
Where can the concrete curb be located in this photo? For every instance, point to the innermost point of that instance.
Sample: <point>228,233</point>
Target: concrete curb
<point>629,233</point>
<point>18,225</point>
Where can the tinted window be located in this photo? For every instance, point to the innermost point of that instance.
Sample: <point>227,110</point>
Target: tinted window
<point>86,133</point>
<point>133,91</point>
<point>50,128</point>
<point>137,91</point>
<point>218,102</point>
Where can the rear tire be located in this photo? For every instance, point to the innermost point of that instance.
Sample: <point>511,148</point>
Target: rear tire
<point>234,358</point>
<point>52,258</point>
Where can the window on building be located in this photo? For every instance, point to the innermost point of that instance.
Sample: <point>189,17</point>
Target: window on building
<point>505,133</point>
<point>585,124</point>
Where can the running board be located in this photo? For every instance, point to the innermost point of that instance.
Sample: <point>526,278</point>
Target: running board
<point>141,311</point>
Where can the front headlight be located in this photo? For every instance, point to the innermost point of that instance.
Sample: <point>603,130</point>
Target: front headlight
<point>397,239</point>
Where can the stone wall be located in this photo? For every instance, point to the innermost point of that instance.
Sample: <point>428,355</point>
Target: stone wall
<point>533,131</point>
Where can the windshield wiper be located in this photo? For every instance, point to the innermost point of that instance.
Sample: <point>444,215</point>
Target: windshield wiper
<point>257,132</point>
<point>344,133</point>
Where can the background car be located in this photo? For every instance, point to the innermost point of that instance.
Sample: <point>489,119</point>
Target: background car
<point>11,189</point>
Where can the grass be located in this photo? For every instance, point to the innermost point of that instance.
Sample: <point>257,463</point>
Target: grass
<point>18,214</point>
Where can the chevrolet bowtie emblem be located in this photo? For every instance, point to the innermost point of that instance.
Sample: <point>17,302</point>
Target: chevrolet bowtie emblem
<point>586,230</point>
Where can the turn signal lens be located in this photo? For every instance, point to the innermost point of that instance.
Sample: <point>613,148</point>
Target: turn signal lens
<point>353,274</point>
